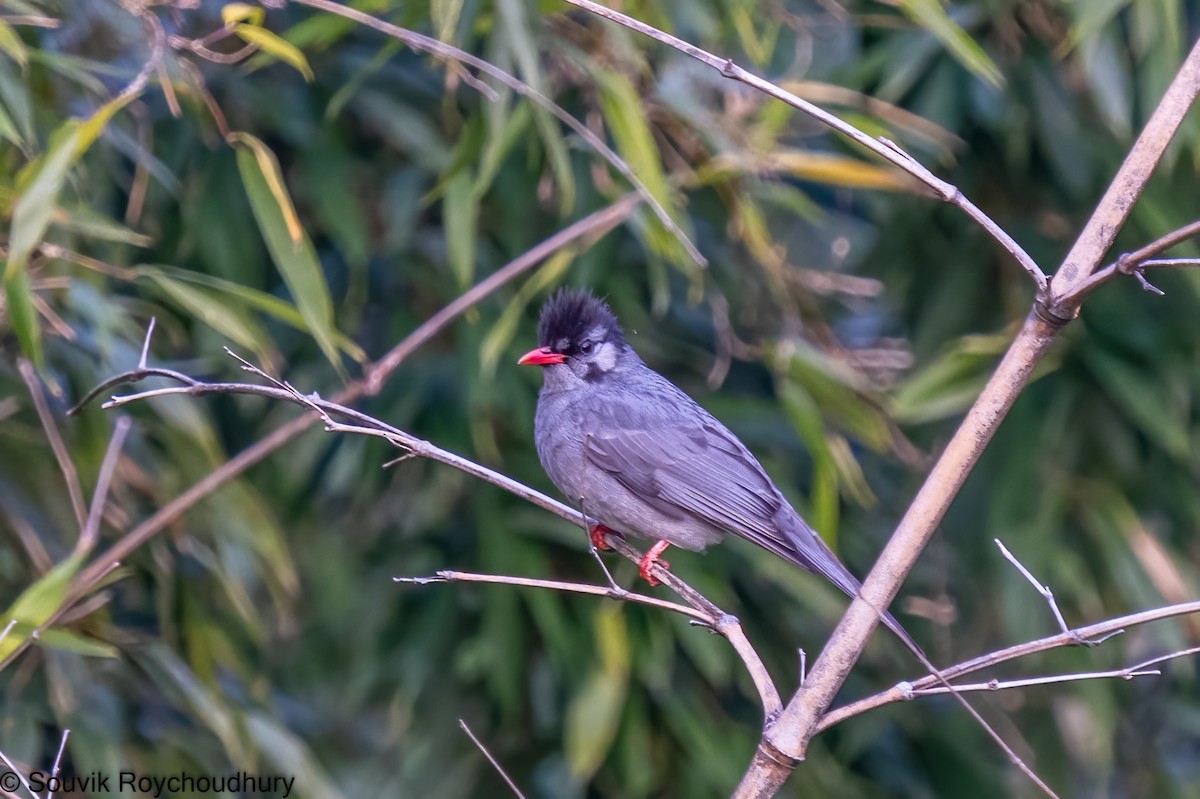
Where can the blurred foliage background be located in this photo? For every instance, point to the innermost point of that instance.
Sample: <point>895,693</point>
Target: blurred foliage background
<point>843,324</point>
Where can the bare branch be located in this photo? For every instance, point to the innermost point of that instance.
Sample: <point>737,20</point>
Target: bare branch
<point>1044,590</point>
<point>12,767</point>
<point>884,148</point>
<point>62,747</point>
<point>439,49</point>
<point>1134,263</point>
<point>1099,632</point>
<point>31,21</point>
<point>65,465</point>
<point>495,764</point>
<point>786,742</point>
<point>91,530</point>
<point>449,576</point>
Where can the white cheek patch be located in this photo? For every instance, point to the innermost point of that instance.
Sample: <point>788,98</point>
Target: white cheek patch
<point>606,358</point>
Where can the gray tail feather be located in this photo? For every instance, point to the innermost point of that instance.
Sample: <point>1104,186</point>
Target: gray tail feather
<point>815,557</point>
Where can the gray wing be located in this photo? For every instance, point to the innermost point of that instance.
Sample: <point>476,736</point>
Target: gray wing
<point>690,464</point>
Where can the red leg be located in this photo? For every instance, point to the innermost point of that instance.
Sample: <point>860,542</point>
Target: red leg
<point>597,533</point>
<point>650,559</point>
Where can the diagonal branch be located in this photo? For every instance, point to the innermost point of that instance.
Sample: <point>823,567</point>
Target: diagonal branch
<point>785,744</point>
<point>884,148</point>
<point>65,465</point>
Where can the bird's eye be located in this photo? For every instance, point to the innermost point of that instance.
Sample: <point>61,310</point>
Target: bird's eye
<point>585,347</point>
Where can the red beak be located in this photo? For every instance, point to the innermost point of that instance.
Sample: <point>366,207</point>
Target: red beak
<point>542,356</point>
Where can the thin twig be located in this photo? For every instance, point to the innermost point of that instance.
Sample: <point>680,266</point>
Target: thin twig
<point>450,576</point>
<point>4,633</point>
<point>1132,263</point>
<point>586,524</point>
<point>62,747</point>
<point>12,767</point>
<point>65,465</point>
<point>883,148</point>
<point>495,764</point>
<point>444,51</point>
<point>108,467</point>
<point>1098,632</point>
<point>31,21</point>
<point>146,343</point>
<point>1044,590</point>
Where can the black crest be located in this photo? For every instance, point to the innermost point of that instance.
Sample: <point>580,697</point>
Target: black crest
<point>572,315</point>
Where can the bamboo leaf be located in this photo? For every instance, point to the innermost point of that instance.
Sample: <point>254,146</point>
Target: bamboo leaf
<point>38,603</point>
<point>234,13</point>
<point>289,246</point>
<point>273,45</point>
<point>931,15</point>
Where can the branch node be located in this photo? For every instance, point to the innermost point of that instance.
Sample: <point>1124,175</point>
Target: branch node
<point>907,692</point>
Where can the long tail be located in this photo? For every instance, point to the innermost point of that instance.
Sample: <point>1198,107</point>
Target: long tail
<point>810,553</point>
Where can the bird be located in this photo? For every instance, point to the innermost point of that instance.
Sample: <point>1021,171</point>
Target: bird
<point>640,457</point>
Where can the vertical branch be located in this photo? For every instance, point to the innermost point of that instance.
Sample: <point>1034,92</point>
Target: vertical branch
<point>785,743</point>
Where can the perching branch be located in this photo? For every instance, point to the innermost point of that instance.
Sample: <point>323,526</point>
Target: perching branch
<point>701,607</point>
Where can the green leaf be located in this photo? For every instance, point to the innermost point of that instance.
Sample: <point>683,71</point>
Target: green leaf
<point>22,316</point>
<point>38,603</point>
<point>290,248</point>
<point>219,315</point>
<point>949,384</point>
<point>39,185</point>
<point>594,715</point>
<point>625,115</point>
<point>8,128</point>
<point>843,396</point>
<point>931,15</point>
<point>11,43</point>
<point>259,300</point>
<point>269,43</point>
<point>31,214</point>
<point>1144,402</point>
<point>445,15</point>
<point>73,642</point>
<point>460,216</point>
<point>520,41</point>
<point>288,755</point>
<point>95,225</point>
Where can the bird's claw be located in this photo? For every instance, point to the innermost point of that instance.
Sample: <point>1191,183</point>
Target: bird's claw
<point>650,560</point>
<point>598,533</point>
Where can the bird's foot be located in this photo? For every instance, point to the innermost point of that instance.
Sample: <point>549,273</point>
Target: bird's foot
<point>650,559</point>
<point>598,533</point>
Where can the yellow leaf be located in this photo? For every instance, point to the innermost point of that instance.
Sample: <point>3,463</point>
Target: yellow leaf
<point>269,166</point>
<point>273,45</point>
<point>241,12</point>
